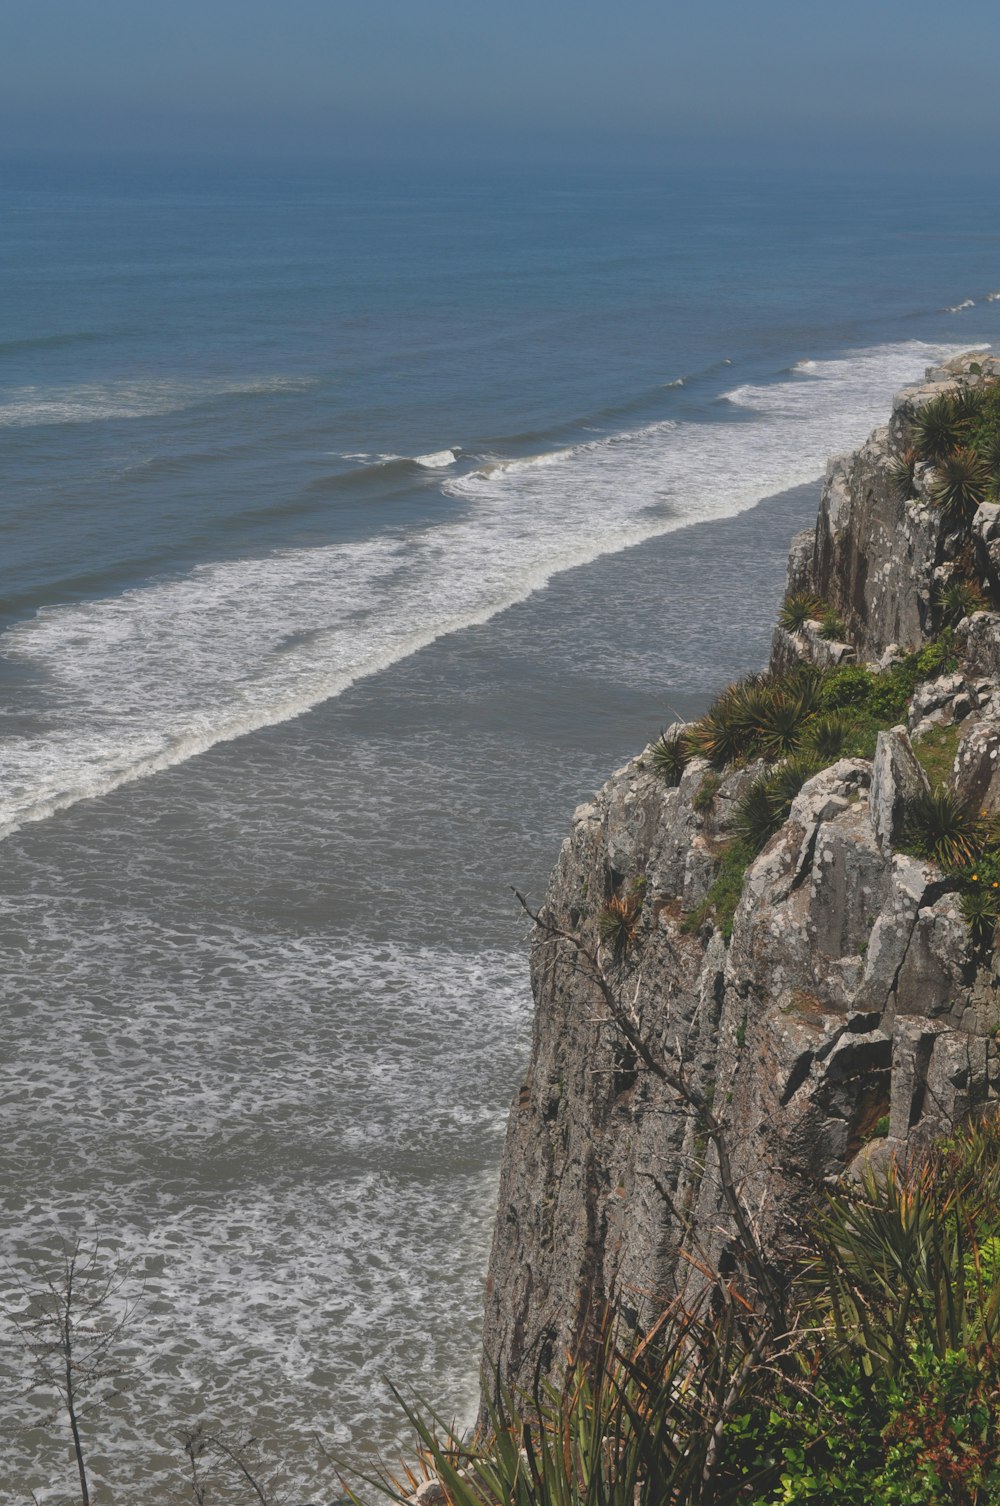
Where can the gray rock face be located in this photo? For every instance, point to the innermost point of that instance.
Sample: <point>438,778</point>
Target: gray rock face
<point>850,992</point>
<point>896,778</point>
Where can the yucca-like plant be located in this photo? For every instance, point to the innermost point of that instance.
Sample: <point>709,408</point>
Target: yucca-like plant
<point>764,808</point>
<point>617,922</point>
<point>720,735</point>
<point>956,599</point>
<point>902,470</point>
<point>756,820</point>
<point>670,757</point>
<point>937,428</point>
<point>941,826</point>
<point>900,1264</point>
<point>787,780</point>
<point>981,909</point>
<point>827,736</point>
<point>797,609</point>
<point>633,1424</point>
<point>969,404</point>
<point>783,727</point>
<point>833,626</point>
<point>961,484</point>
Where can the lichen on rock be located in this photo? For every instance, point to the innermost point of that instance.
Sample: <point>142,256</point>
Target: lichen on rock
<point>851,997</point>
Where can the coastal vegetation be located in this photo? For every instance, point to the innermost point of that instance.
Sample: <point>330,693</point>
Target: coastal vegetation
<point>877,1379</point>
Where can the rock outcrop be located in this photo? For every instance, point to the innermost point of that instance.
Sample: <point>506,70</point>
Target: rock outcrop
<point>851,1012</point>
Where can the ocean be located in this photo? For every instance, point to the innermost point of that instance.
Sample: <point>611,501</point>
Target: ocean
<point>356,525</point>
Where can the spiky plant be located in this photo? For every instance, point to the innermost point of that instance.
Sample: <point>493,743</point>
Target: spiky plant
<point>969,404</point>
<point>797,609</point>
<point>787,779</point>
<point>937,428</point>
<point>833,626</point>
<point>783,726</point>
<point>805,681</point>
<point>617,922</point>
<point>827,736</point>
<point>756,820</point>
<point>962,482</point>
<point>902,469</point>
<point>764,808</point>
<point>941,826</point>
<point>958,598</point>
<point>721,734</point>
<point>981,909</point>
<point>670,757</point>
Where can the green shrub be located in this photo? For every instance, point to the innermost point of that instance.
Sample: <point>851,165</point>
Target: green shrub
<point>764,809</point>
<point>944,828</point>
<point>980,903</point>
<point>961,485</point>
<point>902,469</point>
<point>832,626</point>
<point>798,608</point>
<point>724,895</point>
<point>832,735</point>
<point>938,428</point>
<point>670,757</point>
<point>847,686</point>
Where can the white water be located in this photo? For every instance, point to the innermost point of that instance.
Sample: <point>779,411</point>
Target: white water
<point>139,682</point>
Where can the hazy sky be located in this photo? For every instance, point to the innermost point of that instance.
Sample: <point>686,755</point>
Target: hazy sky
<point>849,81</point>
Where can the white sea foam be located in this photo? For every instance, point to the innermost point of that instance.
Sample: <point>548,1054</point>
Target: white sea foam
<point>437,460</point>
<point>525,462</point>
<point>992,297</point>
<point>956,308</point>
<point>148,679</point>
<point>249,1197</point>
<point>91,402</point>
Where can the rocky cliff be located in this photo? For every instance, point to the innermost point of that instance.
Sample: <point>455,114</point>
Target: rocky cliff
<point>851,1012</point>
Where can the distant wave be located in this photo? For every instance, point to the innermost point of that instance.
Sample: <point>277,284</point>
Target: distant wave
<point>956,308</point>
<point>992,297</point>
<point>30,406</point>
<point>48,342</point>
<point>148,679</point>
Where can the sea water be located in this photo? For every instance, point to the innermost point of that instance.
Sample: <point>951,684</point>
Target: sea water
<point>356,525</point>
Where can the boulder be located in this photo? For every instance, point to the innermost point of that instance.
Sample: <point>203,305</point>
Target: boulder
<point>897,778</point>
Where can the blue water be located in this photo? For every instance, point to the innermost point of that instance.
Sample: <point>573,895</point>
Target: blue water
<point>355,525</point>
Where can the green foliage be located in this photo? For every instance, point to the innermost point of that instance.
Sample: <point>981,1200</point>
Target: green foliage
<point>902,468</point>
<point>936,750</point>
<point>944,828</point>
<point>832,735</point>
<point>878,1384</point>
<point>670,757</point>
<point>720,735</point>
<point>704,796</point>
<point>961,485</point>
<point>832,626</point>
<point>764,809</point>
<point>798,608</point>
<point>980,903</point>
<point>956,599</point>
<point>722,898</point>
<point>938,428</point>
